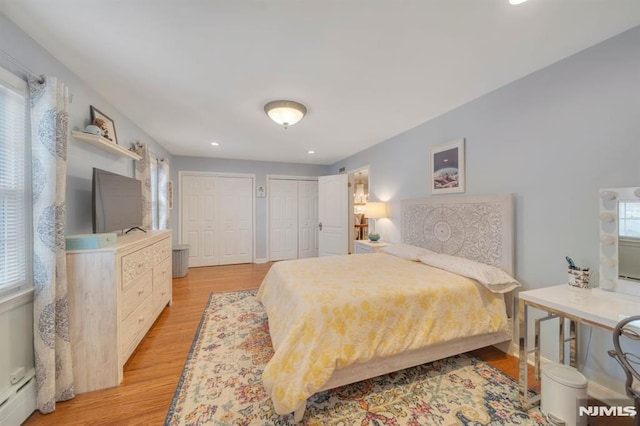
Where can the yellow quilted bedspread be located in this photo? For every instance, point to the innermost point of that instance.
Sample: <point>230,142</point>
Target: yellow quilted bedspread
<point>330,312</point>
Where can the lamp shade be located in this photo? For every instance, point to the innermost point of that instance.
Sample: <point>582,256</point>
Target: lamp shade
<point>285,113</point>
<point>376,210</point>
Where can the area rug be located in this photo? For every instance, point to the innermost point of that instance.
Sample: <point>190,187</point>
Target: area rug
<point>221,383</point>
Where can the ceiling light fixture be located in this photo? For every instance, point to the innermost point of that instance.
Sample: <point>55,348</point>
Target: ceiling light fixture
<point>516,2</point>
<point>285,113</point>
<point>311,151</point>
<point>215,144</point>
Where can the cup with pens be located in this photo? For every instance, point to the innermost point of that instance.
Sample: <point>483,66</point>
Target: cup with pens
<point>578,277</point>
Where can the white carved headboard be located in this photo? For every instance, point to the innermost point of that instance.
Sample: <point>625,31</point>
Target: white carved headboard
<point>479,228</point>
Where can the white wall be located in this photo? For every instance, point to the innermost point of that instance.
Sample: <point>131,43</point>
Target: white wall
<point>553,138</point>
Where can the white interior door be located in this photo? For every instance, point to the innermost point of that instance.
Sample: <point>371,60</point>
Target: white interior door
<point>307,219</point>
<point>236,224</point>
<point>199,219</point>
<point>333,215</point>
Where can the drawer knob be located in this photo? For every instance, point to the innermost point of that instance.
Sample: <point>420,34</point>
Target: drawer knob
<point>141,319</point>
<point>141,291</point>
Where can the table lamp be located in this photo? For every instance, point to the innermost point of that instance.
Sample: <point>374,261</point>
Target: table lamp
<point>375,210</point>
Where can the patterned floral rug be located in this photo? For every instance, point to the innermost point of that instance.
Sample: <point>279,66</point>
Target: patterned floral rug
<point>221,383</point>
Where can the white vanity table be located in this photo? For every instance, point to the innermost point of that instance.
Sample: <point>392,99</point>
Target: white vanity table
<point>591,307</point>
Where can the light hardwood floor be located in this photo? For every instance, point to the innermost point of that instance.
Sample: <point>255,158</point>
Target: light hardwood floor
<point>151,374</point>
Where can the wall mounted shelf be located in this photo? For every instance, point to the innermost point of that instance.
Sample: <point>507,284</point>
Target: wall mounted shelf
<point>104,144</point>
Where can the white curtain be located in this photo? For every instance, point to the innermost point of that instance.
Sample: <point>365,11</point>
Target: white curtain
<point>143,174</point>
<point>52,345</point>
<point>163,194</point>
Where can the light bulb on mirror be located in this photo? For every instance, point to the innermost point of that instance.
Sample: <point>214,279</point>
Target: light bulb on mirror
<point>607,285</point>
<point>607,262</point>
<point>607,217</point>
<point>608,195</point>
<point>608,240</point>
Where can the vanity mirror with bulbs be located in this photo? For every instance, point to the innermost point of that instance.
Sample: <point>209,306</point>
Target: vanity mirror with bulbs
<point>620,240</point>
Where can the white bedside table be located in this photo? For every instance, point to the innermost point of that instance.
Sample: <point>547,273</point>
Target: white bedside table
<point>366,246</point>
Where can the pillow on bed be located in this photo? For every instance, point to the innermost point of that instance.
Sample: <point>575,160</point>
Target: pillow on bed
<point>406,251</point>
<point>495,279</point>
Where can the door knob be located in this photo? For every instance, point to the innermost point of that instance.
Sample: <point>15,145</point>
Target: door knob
<point>320,226</point>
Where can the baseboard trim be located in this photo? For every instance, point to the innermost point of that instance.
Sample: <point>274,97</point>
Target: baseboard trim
<point>594,389</point>
<point>260,261</point>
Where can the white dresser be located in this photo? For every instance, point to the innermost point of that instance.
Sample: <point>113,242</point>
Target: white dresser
<point>115,295</point>
<point>366,246</point>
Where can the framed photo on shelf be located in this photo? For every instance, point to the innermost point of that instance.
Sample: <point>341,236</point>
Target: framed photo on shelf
<point>447,168</point>
<point>104,123</point>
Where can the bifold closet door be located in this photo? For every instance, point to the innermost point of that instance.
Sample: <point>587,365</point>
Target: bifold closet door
<point>307,219</point>
<point>236,220</point>
<point>199,205</point>
<point>283,218</point>
<point>217,219</point>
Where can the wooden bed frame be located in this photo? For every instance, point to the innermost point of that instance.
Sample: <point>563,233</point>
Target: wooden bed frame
<point>479,228</point>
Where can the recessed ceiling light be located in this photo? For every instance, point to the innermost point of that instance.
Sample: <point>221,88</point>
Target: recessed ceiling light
<point>215,144</point>
<point>311,151</point>
<point>516,2</point>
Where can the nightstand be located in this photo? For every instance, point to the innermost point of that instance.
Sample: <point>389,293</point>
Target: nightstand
<point>366,246</point>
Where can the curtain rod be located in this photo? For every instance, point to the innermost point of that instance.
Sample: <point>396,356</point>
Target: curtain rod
<point>23,69</point>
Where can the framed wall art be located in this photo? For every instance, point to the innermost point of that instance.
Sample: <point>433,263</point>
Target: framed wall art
<point>105,124</point>
<point>447,168</point>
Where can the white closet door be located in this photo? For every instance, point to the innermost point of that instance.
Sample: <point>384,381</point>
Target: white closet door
<point>283,218</point>
<point>200,219</point>
<point>307,219</point>
<point>236,224</point>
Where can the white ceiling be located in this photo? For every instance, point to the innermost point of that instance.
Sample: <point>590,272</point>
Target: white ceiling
<point>192,72</point>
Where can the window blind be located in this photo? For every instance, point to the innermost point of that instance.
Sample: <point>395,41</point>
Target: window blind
<point>14,217</point>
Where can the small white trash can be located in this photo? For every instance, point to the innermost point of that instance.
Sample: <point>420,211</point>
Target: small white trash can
<point>561,387</point>
<point>180,261</point>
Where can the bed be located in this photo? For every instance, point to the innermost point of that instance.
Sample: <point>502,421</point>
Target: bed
<point>341,319</point>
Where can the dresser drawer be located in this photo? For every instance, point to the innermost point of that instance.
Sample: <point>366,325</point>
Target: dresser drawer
<point>137,322</point>
<point>135,264</point>
<point>161,250</point>
<point>141,288</point>
<point>162,284</point>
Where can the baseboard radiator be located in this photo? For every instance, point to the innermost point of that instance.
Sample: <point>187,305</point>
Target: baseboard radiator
<point>19,401</point>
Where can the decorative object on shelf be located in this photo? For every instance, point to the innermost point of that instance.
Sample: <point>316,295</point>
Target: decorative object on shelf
<point>375,210</point>
<point>93,130</point>
<point>286,113</point>
<point>137,147</point>
<point>105,124</point>
<point>447,168</point>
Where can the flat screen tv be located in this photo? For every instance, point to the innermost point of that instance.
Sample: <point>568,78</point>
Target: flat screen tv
<point>116,202</point>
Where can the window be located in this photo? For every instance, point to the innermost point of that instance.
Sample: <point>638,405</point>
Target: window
<point>15,206</point>
<point>629,215</point>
